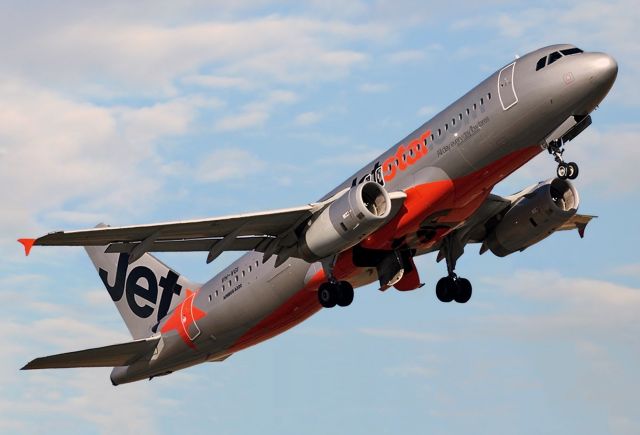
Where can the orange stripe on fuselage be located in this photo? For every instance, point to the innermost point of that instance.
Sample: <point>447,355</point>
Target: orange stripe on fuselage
<point>462,196</point>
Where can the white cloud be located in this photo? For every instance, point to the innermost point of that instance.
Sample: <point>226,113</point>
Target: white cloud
<point>229,164</point>
<point>373,88</point>
<point>582,307</point>
<point>149,57</point>
<point>402,334</point>
<point>257,113</point>
<point>212,81</point>
<point>632,270</point>
<point>244,120</point>
<point>426,111</point>
<point>308,118</point>
<point>60,150</point>
<point>406,56</point>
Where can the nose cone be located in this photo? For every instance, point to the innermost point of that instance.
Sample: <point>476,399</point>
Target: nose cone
<point>604,70</point>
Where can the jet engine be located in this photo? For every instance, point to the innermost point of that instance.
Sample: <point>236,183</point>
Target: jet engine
<point>534,215</point>
<point>346,221</point>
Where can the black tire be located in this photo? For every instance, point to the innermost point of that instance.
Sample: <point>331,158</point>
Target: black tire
<point>573,170</point>
<point>464,291</point>
<point>445,289</point>
<point>327,295</point>
<point>562,171</point>
<point>344,294</point>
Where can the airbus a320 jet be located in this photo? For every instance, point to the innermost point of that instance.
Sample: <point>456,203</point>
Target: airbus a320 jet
<point>430,192</point>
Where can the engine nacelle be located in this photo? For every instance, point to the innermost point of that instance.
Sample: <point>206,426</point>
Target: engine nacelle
<point>533,216</point>
<point>346,221</point>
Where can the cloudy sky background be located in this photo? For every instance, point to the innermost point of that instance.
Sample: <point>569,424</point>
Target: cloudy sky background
<point>133,112</point>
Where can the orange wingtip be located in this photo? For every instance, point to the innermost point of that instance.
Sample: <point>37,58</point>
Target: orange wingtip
<point>28,244</point>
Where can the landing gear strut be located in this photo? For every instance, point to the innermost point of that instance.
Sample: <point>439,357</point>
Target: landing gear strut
<point>565,170</point>
<point>451,287</point>
<point>334,293</point>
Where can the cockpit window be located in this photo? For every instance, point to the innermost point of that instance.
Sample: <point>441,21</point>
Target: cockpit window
<point>541,63</point>
<point>570,51</point>
<point>553,57</point>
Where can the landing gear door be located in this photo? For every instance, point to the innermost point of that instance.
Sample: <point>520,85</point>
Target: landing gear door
<point>506,87</point>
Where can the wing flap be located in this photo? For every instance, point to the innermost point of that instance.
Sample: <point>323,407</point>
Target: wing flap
<point>108,356</point>
<point>204,245</point>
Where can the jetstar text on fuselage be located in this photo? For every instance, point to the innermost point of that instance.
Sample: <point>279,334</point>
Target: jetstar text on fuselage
<point>405,156</point>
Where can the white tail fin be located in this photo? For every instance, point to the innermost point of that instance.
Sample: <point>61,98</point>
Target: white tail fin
<point>143,291</point>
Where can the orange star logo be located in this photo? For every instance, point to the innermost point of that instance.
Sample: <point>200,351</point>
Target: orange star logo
<point>182,317</point>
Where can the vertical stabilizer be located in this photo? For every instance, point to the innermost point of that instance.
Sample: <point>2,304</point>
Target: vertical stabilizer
<point>143,291</point>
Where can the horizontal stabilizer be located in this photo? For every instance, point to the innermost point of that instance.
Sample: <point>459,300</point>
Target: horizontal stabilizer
<point>108,356</point>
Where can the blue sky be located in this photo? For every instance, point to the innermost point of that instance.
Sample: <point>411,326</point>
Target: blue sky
<point>133,112</point>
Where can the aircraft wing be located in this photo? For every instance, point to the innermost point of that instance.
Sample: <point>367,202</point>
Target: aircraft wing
<point>108,356</point>
<point>241,232</point>
<point>577,222</point>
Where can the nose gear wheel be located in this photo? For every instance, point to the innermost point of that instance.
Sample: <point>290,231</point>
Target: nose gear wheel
<point>564,170</point>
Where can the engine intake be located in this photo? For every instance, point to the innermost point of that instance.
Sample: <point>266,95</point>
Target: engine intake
<point>534,215</point>
<point>353,216</point>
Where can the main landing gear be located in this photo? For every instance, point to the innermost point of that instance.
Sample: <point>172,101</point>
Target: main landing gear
<point>565,170</point>
<point>452,287</point>
<point>334,293</point>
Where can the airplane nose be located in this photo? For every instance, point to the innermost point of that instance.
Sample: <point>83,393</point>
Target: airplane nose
<point>604,69</point>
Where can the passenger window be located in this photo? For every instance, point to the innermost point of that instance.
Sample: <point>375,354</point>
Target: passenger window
<point>243,273</point>
<point>541,63</point>
<point>216,293</point>
<point>475,106</point>
<point>257,264</point>
<point>553,57</point>
<point>446,126</point>
<point>432,137</point>
<point>389,167</point>
<point>489,95</point>
<point>468,111</point>
<point>439,132</point>
<point>210,298</point>
<point>453,121</point>
<point>250,268</point>
<point>460,116</point>
<point>481,101</point>
<point>411,151</point>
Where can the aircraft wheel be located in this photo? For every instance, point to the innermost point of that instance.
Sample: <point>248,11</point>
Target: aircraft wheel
<point>327,295</point>
<point>464,291</point>
<point>446,289</point>
<point>344,294</point>
<point>573,170</point>
<point>562,171</point>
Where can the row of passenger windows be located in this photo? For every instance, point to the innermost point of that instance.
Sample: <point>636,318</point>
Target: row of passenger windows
<point>433,136</point>
<point>548,60</point>
<point>236,278</point>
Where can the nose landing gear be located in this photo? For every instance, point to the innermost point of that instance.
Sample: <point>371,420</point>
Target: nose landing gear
<point>565,170</point>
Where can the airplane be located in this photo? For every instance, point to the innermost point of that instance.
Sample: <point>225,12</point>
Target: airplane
<point>430,192</point>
